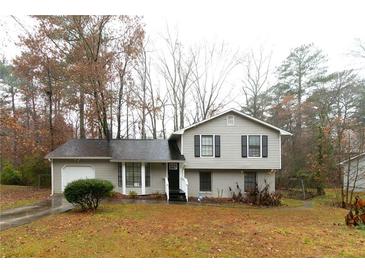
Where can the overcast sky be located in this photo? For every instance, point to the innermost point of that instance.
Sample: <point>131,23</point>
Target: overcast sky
<point>280,25</point>
<point>277,25</point>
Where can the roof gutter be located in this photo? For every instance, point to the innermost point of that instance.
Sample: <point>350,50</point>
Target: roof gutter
<point>75,158</point>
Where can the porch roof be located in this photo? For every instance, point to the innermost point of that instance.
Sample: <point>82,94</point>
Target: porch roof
<point>119,150</point>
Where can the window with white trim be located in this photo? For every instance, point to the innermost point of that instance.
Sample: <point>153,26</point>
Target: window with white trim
<point>148,175</point>
<point>133,174</point>
<point>250,181</point>
<point>230,120</point>
<point>207,145</point>
<point>120,175</point>
<point>205,181</point>
<point>254,146</point>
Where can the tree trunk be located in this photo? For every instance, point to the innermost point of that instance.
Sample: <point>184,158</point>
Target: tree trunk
<point>50,97</point>
<point>127,119</point>
<point>15,137</point>
<point>143,120</point>
<point>82,114</point>
<point>119,111</point>
<point>163,121</point>
<point>182,110</point>
<point>120,97</point>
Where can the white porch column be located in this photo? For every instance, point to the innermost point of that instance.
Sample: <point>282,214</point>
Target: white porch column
<point>180,175</point>
<point>143,178</point>
<point>124,184</point>
<point>52,180</point>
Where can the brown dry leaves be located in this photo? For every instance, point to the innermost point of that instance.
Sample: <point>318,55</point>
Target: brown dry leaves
<point>14,196</point>
<point>159,230</point>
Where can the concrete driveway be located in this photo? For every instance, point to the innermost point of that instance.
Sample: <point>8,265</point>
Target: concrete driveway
<point>23,215</point>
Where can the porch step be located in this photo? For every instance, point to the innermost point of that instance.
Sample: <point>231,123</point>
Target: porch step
<point>177,196</point>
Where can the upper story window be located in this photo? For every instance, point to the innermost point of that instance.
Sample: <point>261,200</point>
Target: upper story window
<point>230,120</point>
<point>254,146</point>
<point>207,145</point>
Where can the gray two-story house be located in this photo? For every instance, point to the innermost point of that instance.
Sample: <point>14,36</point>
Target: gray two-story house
<point>205,159</point>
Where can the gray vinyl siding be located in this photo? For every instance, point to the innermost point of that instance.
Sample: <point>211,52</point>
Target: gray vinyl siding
<point>357,172</point>
<point>106,170</point>
<point>224,179</point>
<point>231,157</point>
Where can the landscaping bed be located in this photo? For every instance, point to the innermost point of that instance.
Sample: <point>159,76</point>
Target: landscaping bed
<point>117,196</point>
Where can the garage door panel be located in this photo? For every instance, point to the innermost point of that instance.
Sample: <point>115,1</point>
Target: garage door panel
<point>72,173</point>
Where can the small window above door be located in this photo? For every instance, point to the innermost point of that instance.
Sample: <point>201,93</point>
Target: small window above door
<point>230,120</point>
<point>173,166</point>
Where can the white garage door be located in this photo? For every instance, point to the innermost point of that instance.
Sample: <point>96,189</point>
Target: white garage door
<point>72,173</point>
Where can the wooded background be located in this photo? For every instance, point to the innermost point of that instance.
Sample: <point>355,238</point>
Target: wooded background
<point>99,77</point>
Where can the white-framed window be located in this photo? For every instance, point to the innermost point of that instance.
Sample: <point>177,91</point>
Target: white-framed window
<point>205,182</point>
<point>250,181</point>
<point>230,120</point>
<point>254,146</point>
<point>173,166</point>
<point>133,174</point>
<point>147,175</point>
<point>207,146</point>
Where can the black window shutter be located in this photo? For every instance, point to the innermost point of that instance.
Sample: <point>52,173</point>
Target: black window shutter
<point>264,145</point>
<point>217,146</point>
<point>197,145</point>
<point>244,145</point>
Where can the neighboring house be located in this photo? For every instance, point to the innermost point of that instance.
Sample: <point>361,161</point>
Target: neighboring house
<point>205,159</point>
<point>354,169</point>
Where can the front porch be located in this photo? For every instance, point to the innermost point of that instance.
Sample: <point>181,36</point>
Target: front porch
<point>143,178</point>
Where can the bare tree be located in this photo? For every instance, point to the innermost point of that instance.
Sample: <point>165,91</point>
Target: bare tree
<point>176,69</point>
<point>256,68</point>
<point>211,68</point>
<point>360,49</point>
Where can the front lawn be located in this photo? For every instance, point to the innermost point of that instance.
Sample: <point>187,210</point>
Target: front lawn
<point>191,230</point>
<point>15,196</point>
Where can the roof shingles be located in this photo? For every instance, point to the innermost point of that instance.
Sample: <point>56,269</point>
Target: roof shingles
<point>118,150</point>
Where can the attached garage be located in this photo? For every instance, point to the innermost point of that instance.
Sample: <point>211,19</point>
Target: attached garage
<point>74,172</point>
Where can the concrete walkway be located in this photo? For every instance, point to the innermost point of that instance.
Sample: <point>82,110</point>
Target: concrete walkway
<point>23,215</point>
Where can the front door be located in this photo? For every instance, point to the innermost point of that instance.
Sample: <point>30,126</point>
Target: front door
<point>173,172</point>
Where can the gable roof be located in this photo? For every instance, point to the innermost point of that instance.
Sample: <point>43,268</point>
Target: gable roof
<point>152,150</point>
<point>81,148</point>
<point>281,131</point>
<point>145,150</point>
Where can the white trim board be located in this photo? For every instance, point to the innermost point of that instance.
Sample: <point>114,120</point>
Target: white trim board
<point>281,131</point>
<point>77,158</point>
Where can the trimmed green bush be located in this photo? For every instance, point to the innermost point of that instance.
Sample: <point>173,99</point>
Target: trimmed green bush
<point>10,176</point>
<point>87,193</point>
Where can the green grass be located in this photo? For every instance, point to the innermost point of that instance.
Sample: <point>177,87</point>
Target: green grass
<point>292,202</point>
<point>191,230</point>
<point>332,197</point>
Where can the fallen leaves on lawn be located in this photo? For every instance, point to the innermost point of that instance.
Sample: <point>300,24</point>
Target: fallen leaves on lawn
<point>160,230</point>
